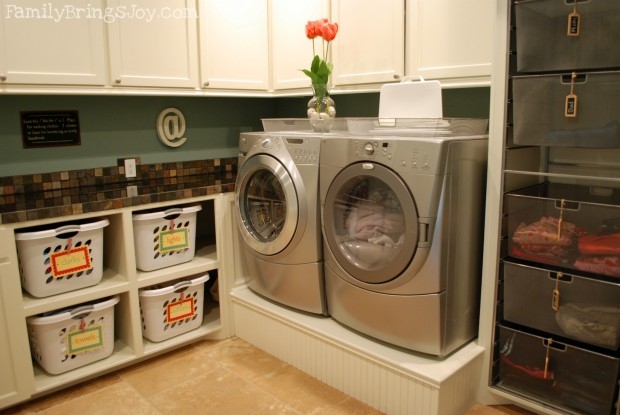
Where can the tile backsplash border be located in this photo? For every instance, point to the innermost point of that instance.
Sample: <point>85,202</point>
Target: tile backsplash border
<point>45,195</point>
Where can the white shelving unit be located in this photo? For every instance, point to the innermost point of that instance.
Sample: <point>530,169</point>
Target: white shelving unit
<point>120,277</point>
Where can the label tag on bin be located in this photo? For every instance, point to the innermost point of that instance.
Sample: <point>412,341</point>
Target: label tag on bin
<point>71,261</point>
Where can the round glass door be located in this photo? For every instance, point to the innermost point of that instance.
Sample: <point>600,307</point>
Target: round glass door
<point>371,222</point>
<point>268,207</point>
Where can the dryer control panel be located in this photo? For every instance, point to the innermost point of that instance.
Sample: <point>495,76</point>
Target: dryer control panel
<point>423,156</point>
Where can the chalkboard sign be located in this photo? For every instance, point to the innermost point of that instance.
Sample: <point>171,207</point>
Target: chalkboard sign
<point>50,128</point>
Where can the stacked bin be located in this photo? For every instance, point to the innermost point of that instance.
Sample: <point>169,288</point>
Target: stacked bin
<point>558,331</point>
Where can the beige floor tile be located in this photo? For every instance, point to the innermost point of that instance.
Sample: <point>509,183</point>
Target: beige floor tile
<point>117,399</point>
<point>478,409</point>
<point>221,392</point>
<point>299,390</point>
<point>169,370</point>
<point>243,359</point>
<point>350,406</point>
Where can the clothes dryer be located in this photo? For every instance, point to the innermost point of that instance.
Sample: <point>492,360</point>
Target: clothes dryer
<point>278,218</point>
<point>402,227</point>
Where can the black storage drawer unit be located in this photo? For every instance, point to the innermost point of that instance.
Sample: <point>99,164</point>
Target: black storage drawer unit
<point>545,43</point>
<point>576,380</point>
<point>543,116</point>
<point>571,306</point>
<point>568,226</point>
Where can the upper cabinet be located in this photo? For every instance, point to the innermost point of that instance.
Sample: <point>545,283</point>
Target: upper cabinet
<point>248,46</point>
<point>256,44</point>
<point>153,43</point>
<point>234,51</point>
<point>291,50</point>
<point>450,40</point>
<point>370,45</point>
<point>48,43</point>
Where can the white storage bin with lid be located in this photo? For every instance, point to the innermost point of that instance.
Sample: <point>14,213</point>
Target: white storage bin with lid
<point>63,257</point>
<point>172,309</point>
<point>164,238</point>
<point>73,337</point>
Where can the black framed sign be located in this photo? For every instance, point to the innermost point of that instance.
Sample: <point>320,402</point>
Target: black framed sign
<point>50,128</point>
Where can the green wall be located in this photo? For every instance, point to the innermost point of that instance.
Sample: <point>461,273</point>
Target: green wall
<point>114,127</point>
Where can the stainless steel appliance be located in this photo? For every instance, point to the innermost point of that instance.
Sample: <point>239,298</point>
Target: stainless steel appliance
<point>402,226</point>
<point>278,218</point>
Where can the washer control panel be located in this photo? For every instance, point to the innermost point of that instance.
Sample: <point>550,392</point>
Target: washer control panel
<point>301,149</point>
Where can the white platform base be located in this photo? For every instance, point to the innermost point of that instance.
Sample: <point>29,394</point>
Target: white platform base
<point>389,379</point>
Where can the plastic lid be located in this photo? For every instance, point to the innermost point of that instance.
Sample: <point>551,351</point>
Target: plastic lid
<point>61,230</point>
<point>165,213</point>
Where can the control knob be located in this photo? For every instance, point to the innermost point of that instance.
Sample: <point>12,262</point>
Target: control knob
<point>369,148</point>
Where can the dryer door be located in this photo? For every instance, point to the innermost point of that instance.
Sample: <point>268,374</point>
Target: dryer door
<point>370,222</point>
<point>267,204</point>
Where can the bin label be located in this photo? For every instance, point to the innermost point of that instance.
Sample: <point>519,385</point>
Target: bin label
<point>71,261</point>
<point>83,340</point>
<point>180,310</point>
<point>174,240</point>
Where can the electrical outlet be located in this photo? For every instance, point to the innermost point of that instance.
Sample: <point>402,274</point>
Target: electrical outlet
<point>132,191</point>
<point>130,168</point>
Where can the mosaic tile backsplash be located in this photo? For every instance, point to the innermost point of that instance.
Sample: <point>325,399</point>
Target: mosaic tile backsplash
<point>49,195</point>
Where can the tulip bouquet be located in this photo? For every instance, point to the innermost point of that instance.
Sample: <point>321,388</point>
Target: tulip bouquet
<point>320,68</point>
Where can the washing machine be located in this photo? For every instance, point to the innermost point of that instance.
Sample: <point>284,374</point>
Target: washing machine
<point>402,220</point>
<point>278,217</point>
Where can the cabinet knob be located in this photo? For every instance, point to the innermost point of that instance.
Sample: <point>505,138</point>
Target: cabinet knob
<point>117,80</point>
<point>2,77</point>
<point>205,83</point>
<point>396,76</point>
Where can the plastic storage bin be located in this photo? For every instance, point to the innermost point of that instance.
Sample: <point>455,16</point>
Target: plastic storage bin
<point>544,116</point>
<point>575,379</point>
<point>173,309</point>
<point>73,337</point>
<point>568,226</point>
<point>163,238</point>
<point>544,42</point>
<point>575,307</point>
<point>62,258</point>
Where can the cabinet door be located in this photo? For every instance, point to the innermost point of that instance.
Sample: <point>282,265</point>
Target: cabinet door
<point>153,43</point>
<point>52,42</point>
<point>449,39</point>
<point>291,49</point>
<point>370,44</point>
<point>234,52</point>
<point>16,382</point>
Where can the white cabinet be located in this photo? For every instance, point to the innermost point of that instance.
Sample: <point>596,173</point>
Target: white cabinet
<point>370,44</point>
<point>51,43</point>
<point>153,43</point>
<point>256,44</point>
<point>234,52</point>
<point>21,379</point>
<point>450,40</point>
<point>291,50</point>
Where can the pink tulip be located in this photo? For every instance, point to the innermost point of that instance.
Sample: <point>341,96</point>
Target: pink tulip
<point>329,31</point>
<point>312,30</point>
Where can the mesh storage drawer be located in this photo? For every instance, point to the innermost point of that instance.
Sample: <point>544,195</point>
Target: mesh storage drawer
<point>163,238</point>
<point>172,309</point>
<point>583,309</point>
<point>569,226</point>
<point>62,257</point>
<point>545,42</point>
<point>70,338</point>
<point>558,374</point>
<point>544,115</point>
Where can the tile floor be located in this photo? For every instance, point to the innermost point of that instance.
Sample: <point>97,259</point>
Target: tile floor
<point>210,377</point>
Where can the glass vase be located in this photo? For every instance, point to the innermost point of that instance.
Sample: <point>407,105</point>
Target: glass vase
<point>321,109</point>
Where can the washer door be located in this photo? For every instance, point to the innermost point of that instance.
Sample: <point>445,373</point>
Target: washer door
<point>268,205</point>
<point>370,222</point>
